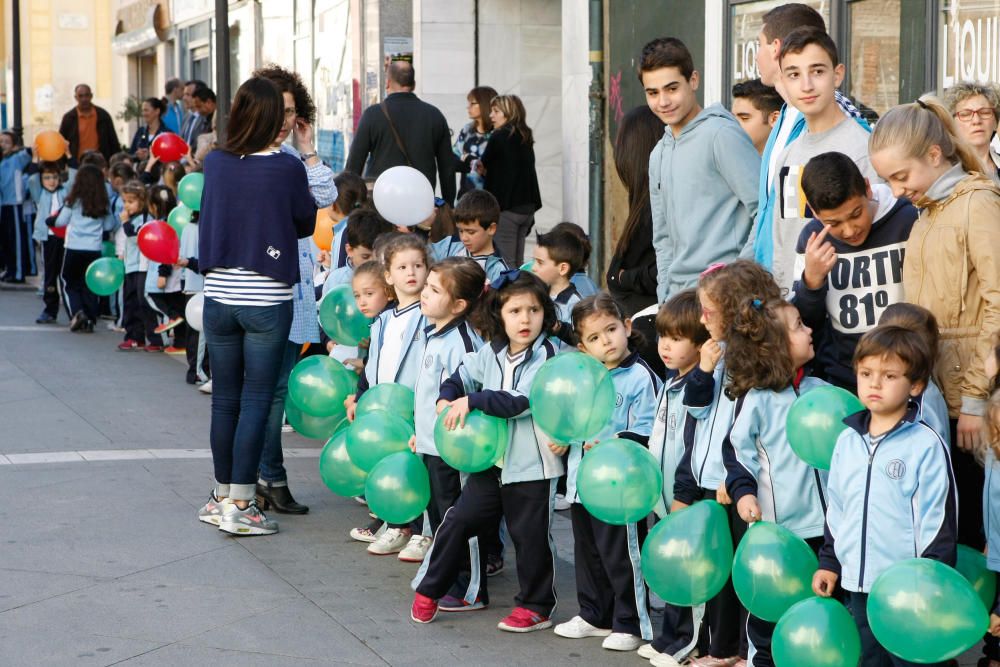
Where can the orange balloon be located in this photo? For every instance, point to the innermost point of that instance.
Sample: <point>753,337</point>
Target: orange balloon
<point>50,145</point>
<point>323,234</point>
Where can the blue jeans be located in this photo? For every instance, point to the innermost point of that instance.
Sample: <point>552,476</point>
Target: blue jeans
<point>246,345</point>
<point>272,463</point>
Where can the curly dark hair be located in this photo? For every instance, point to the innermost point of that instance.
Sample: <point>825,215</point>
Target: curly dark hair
<point>486,316</point>
<point>291,82</point>
<point>757,349</point>
<point>90,192</point>
<point>735,285</point>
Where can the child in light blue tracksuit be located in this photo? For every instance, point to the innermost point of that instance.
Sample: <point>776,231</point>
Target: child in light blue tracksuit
<point>49,193</point>
<point>194,283</point>
<point>609,585</point>
<point>497,380</point>
<point>767,350</point>
<point>138,318</point>
<point>16,253</point>
<point>991,497</point>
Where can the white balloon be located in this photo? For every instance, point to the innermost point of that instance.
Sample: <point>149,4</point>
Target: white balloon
<point>404,196</point>
<point>193,311</point>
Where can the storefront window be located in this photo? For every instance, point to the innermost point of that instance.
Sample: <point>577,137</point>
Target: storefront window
<point>874,54</point>
<point>969,42</point>
<point>746,24</point>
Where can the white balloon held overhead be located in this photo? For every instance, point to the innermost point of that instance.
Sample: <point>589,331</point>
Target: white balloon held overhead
<point>404,196</point>
<point>193,311</point>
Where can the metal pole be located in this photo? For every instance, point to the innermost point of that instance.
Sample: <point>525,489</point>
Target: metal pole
<point>15,9</point>
<point>223,79</point>
<point>596,181</point>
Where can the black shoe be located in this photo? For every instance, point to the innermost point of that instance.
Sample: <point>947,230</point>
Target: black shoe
<point>88,327</point>
<point>45,318</point>
<point>78,321</point>
<point>279,498</point>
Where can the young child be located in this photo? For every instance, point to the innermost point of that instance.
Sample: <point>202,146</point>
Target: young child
<point>609,585</point>
<point>363,227</point>
<point>49,194</point>
<point>756,107</point>
<point>558,257</point>
<point>371,293</point>
<point>137,318</point>
<point>118,176</point>
<point>88,216</point>
<point>849,259</point>
<point>991,501</point>
<point>16,258</point>
<point>584,285</point>
<point>767,349</point>
<point>194,283</point>
<point>931,406</point>
<point>891,491</point>
<point>951,269</point>
<point>476,216</point>
<point>352,194</point>
<point>517,318</point>
<point>161,202</point>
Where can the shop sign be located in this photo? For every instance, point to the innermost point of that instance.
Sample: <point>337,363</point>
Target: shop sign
<point>970,42</point>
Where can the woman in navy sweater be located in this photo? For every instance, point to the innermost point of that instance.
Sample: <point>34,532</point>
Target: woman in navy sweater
<point>255,206</point>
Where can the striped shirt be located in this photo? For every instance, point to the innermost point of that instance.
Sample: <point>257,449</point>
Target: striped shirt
<point>241,287</point>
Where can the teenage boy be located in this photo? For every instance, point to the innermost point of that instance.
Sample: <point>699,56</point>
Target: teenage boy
<point>777,24</point>
<point>476,216</point>
<point>363,227</point>
<point>891,493</point>
<point>757,108</point>
<point>811,70</point>
<point>849,260</point>
<point>558,256</point>
<point>702,173</point>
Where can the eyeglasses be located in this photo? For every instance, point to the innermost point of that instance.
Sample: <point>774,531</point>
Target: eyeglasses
<point>985,113</point>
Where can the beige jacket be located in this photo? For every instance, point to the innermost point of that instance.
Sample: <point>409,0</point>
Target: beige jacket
<point>952,268</point>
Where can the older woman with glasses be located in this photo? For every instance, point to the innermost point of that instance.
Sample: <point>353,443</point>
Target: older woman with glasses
<point>974,108</point>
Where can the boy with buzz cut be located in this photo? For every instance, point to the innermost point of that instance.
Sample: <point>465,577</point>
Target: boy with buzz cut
<point>558,256</point>
<point>849,260</point>
<point>363,226</point>
<point>756,107</point>
<point>702,173</point>
<point>476,216</point>
<point>891,492</point>
<point>811,70</point>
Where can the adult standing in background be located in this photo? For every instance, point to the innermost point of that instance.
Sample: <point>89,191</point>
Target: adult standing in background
<point>152,115</point>
<point>174,115</point>
<point>508,165</point>
<point>193,124</point>
<point>403,130</point>
<point>88,127</point>
<point>472,138</point>
<point>974,108</point>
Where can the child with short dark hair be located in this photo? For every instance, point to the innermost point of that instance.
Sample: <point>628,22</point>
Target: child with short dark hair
<point>49,192</point>
<point>891,491</point>
<point>849,259</point>
<point>352,194</point>
<point>476,216</point>
<point>363,227</point>
<point>558,256</point>
<point>583,283</point>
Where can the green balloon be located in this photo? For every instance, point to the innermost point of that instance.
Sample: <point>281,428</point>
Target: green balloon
<point>189,190</point>
<point>572,397</point>
<point>972,565</point>
<point>772,570</point>
<point>388,396</point>
<point>340,318</point>
<point>476,446</point>
<point>924,611</point>
<point>398,489</point>
<point>179,218</point>
<point>687,556</point>
<point>309,426</point>
<point>816,420</point>
<point>108,249</point>
<point>818,632</point>
<point>619,481</point>
<point>318,385</point>
<point>336,470</point>
<point>105,275</point>
<point>375,435</point>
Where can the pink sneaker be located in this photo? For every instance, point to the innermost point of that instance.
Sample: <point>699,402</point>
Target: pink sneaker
<point>423,609</point>
<point>524,620</point>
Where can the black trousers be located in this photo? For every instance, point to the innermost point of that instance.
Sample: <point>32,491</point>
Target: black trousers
<point>609,585</point>
<point>75,263</point>
<point>969,480</point>
<point>527,508</point>
<point>172,305</point>
<point>138,319</point>
<point>446,487</point>
<point>52,254</point>
<point>17,256</point>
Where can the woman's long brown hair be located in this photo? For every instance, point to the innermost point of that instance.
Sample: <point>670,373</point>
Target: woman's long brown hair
<point>256,118</point>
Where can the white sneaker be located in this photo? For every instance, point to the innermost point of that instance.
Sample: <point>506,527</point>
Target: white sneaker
<point>392,541</point>
<point>206,387</point>
<point>287,428</point>
<point>662,659</point>
<point>577,628</point>
<point>621,641</point>
<point>415,549</point>
<point>647,651</point>
<point>561,504</point>
<point>366,534</point>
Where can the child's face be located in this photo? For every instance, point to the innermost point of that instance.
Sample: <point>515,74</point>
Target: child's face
<point>545,268</point>
<point>811,80</point>
<point>711,317</point>
<point>6,143</point>
<point>678,353</point>
<point>358,255</point>
<point>132,204</point>
<point>369,293</point>
<point>909,177</point>
<point>522,317</point>
<point>605,338</point>
<point>477,241</point>
<point>50,181</point>
<point>851,222</point>
<point>407,274</point>
<point>435,302</point>
<point>800,340</point>
<point>116,183</point>
<point>882,384</point>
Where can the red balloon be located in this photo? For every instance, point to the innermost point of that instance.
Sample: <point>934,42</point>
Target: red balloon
<point>159,242</point>
<point>169,147</point>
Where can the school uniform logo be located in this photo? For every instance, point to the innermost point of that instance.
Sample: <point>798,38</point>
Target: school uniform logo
<point>273,252</point>
<point>661,415</point>
<point>619,399</point>
<point>895,469</point>
<point>428,362</point>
